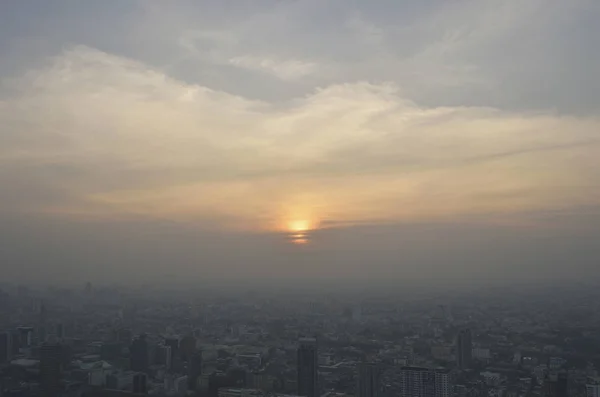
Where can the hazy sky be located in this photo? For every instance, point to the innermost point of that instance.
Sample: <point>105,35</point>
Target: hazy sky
<point>182,139</point>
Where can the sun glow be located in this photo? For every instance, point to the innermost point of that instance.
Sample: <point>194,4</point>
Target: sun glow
<point>298,231</point>
<point>299,226</point>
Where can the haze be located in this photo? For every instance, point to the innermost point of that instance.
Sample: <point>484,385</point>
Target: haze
<point>395,140</point>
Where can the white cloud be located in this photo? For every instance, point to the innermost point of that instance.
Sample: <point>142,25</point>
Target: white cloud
<point>484,53</point>
<point>283,69</point>
<point>105,135</point>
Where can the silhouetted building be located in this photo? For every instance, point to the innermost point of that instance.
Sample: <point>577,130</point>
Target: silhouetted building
<point>368,380</point>
<point>307,368</point>
<point>122,335</point>
<point>464,349</point>
<point>423,382</point>
<point>173,343</point>
<point>5,347</point>
<point>111,351</point>
<point>139,383</point>
<point>194,370</point>
<point>51,359</point>
<point>161,356</point>
<point>25,337</point>
<point>556,384</point>
<point>60,331</point>
<point>187,347</point>
<point>139,354</point>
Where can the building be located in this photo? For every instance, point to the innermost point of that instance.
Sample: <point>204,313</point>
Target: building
<point>162,356</point>
<point>194,370</point>
<point>51,358</point>
<point>180,385</point>
<point>173,343</point>
<point>139,354</point>
<point>481,354</point>
<point>307,368</point>
<point>140,383</point>
<point>424,382</point>
<point>235,392</point>
<point>592,387</point>
<point>187,347</point>
<point>556,384</point>
<point>5,347</point>
<point>464,349</point>
<point>368,380</point>
<point>25,337</point>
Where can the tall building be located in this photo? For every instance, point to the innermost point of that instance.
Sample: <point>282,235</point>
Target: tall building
<point>60,331</point>
<point>5,347</point>
<point>139,383</point>
<point>464,349</point>
<point>187,347</point>
<point>368,380</point>
<point>25,337</point>
<point>423,382</point>
<point>308,379</point>
<point>51,358</point>
<point>173,343</point>
<point>122,335</point>
<point>556,384</point>
<point>592,387</point>
<point>162,356</point>
<point>194,370</point>
<point>139,354</point>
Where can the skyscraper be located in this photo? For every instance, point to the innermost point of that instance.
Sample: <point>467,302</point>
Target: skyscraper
<point>187,347</point>
<point>423,382</point>
<point>173,343</point>
<point>25,337</point>
<point>5,347</point>
<point>464,348</point>
<point>307,367</point>
<point>51,356</point>
<point>368,380</point>
<point>139,354</point>
<point>139,383</point>
<point>194,370</point>
<point>556,384</point>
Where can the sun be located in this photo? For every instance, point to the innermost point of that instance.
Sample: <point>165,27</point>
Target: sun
<point>301,225</point>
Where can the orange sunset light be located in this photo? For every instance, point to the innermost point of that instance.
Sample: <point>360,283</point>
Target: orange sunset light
<point>299,225</point>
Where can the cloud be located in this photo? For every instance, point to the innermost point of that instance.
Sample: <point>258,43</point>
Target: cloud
<point>226,48</point>
<point>285,70</point>
<point>93,134</point>
<point>512,55</point>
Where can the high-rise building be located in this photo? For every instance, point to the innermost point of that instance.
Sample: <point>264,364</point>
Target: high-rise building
<point>162,356</point>
<point>173,343</point>
<point>464,349</point>
<point>51,359</point>
<point>308,379</point>
<point>194,370</point>
<point>368,380</point>
<point>139,383</point>
<point>25,337</point>
<point>187,347</point>
<point>60,331</point>
<point>556,384</point>
<point>5,347</point>
<point>592,387</point>
<point>139,354</point>
<point>424,382</point>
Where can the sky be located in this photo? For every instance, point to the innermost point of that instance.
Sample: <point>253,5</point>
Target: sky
<point>288,140</point>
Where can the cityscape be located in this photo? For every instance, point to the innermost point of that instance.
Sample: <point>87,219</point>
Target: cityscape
<point>299,198</point>
<point>150,341</point>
